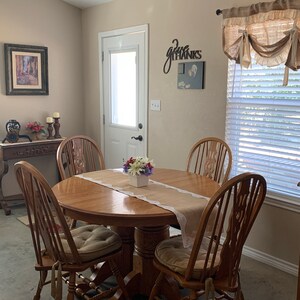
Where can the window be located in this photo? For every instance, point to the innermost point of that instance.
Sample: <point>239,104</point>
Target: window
<point>123,88</point>
<point>263,126</point>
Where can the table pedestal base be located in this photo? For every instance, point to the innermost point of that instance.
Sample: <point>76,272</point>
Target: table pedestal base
<point>146,240</point>
<point>141,279</point>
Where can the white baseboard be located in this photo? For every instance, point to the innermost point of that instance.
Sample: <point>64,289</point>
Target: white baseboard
<point>271,260</point>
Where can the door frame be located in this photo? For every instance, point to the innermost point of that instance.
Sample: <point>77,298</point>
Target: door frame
<point>119,32</point>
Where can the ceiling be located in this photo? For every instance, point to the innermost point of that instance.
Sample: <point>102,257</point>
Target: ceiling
<point>85,3</point>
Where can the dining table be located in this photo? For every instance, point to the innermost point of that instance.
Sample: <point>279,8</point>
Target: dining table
<point>141,221</point>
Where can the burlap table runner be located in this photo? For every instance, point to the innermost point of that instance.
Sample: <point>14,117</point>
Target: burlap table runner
<point>187,206</point>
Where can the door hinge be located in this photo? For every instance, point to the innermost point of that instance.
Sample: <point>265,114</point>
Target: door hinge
<point>103,119</point>
<point>102,55</point>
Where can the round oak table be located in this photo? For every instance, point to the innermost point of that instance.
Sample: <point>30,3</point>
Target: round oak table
<point>140,224</point>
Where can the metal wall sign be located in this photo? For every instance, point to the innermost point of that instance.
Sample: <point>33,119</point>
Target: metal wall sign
<point>177,52</point>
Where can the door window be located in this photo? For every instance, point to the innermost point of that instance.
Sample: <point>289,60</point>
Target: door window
<point>123,89</point>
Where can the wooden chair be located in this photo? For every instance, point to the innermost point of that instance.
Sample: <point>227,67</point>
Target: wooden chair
<point>78,154</point>
<point>211,265</point>
<point>210,157</point>
<point>58,247</point>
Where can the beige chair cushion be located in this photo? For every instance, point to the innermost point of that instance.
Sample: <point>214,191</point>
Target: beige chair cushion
<point>172,254</point>
<point>93,241</point>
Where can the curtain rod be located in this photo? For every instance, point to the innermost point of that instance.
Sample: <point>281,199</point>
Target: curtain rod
<point>218,12</point>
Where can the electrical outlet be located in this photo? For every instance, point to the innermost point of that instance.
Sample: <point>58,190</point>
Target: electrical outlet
<point>155,105</point>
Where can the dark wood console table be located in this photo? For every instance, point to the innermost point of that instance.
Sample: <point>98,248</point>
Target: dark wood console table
<point>20,151</point>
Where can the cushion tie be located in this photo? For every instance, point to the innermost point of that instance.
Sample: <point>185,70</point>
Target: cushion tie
<point>209,289</point>
<point>56,287</point>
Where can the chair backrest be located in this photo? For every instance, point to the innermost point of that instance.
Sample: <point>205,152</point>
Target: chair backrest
<point>46,220</point>
<point>78,154</point>
<point>227,221</point>
<point>210,157</point>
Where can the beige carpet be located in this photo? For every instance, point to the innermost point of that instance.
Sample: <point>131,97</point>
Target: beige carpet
<point>24,220</point>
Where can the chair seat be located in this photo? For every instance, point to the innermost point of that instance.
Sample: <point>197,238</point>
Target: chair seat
<point>173,255</point>
<point>93,241</point>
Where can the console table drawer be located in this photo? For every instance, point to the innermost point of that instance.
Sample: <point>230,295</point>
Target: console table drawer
<point>28,149</point>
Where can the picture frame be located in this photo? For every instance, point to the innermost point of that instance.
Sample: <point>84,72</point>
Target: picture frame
<point>26,69</point>
<point>191,75</point>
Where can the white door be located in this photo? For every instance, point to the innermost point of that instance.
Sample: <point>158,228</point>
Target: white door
<point>124,98</point>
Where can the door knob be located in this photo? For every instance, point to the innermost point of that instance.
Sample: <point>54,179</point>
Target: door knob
<point>139,138</point>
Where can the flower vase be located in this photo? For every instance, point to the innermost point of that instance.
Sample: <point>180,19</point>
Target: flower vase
<point>138,180</point>
<point>36,136</point>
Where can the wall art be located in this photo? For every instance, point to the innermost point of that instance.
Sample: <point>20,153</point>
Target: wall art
<point>191,75</point>
<point>26,69</point>
<point>177,52</point>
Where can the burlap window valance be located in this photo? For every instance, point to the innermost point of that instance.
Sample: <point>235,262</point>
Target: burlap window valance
<point>268,32</point>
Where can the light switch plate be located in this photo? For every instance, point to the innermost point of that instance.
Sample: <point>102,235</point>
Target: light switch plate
<point>155,105</point>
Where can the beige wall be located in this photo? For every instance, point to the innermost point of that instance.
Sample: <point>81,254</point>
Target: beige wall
<point>185,115</point>
<point>74,85</point>
<point>56,25</point>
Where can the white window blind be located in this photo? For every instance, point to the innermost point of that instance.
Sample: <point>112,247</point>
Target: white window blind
<point>263,126</point>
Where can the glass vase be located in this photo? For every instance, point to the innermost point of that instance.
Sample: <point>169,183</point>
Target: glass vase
<point>36,136</point>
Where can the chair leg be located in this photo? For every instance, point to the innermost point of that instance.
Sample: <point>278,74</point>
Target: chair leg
<point>71,286</point>
<point>239,294</point>
<point>193,295</point>
<point>156,286</point>
<point>120,280</point>
<point>43,276</point>
<point>73,224</point>
<point>224,295</point>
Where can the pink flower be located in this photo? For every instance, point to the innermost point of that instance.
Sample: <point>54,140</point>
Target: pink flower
<point>35,127</point>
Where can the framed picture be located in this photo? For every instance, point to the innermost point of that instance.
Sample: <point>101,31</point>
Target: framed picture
<point>191,75</point>
<point>26,70</point>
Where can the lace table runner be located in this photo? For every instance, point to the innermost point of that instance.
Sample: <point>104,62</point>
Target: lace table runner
<point>187,206</point>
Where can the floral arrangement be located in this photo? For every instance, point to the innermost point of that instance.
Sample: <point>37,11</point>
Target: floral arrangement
<point>35,127</point>
<point>138,165</point>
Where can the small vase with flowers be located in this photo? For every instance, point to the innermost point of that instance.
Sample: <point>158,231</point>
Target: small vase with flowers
<point>36,129</point>
<point>139,169</point>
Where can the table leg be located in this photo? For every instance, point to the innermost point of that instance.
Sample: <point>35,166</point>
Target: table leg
<point>146,240</point>
<point>3,203</point>
<point>140,280</point>
<point>125,261</point>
